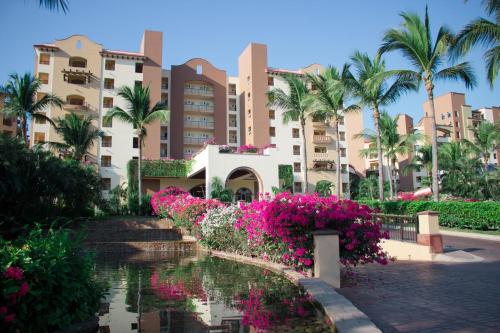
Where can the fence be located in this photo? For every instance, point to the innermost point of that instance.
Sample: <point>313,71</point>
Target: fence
<point>400,227</point>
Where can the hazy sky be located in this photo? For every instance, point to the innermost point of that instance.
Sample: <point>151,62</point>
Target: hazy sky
<point>297,33</point>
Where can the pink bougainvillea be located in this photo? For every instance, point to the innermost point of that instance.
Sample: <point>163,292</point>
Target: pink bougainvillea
<point>12,287</point>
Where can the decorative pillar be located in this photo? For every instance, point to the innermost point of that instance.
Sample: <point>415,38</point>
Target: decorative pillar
<point>327,256</point>
<point>428,231</point>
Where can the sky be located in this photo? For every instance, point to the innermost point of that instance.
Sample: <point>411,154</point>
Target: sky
<point>297,33</point>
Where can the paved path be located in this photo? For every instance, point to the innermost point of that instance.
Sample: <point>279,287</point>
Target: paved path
<point>433,297</point>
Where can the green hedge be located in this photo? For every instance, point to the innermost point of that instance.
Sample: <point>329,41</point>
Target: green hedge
<point>285,172</point>
<point>483,215</point>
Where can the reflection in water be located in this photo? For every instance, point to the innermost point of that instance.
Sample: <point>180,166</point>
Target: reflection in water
<point>188,293</point>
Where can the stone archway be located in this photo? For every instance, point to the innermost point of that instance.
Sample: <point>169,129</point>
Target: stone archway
<point>244,178</point>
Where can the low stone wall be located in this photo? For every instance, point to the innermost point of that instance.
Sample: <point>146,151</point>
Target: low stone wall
<point>407,251</point>
<point>341,312</point>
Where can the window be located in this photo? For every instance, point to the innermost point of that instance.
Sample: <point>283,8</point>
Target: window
<point>44,77</point>
<point>270,81</point>
<point>110,65</point>
<point>457,135</point>
<point>135,142</point>
<point>78,62</point>
<point>313,87</point>
<point>495,156</point>
<point>232,120</point>
<point>232,89</point>
<point>419,179</point>
<point>320,133</point>
<point>297,187</point>
<point>249,130</point>
<point>105,184</point>
<point>164,99</point>
<point>320,150</point>
<point>295,133</point>
<point>107,102</point>
<point>272,131</point>
<point>249,112</point>
<point>341,120</point>
<point>138,83</point>
<point>44,59</point>
<point>248,95</point>
<point>456,113</point>
<point>199,69</point>
<point>296,150</point>
<point>449,114</point>
<point>343,152</point>
<point>39,137</point>
<point>107,122</point>
<point>40,121</point>
<point>456,124</point>
<point>107,141</point>
<point>342,136</point>
<point>164,83</point>
<point>243,194</point>
<point>344,187</point>
<point>105,161</point>
<point>343,168</point>
<point>75,100</point>
<point>442,116</point>
<point>296,167</point>
<point>272,114</point>
<point>109,83</point>
<point>138,67</point>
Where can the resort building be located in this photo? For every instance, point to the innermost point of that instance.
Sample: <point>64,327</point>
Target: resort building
<point>8,126</point>
<point>206,106</point>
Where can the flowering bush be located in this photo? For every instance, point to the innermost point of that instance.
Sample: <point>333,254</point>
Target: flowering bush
<point>162,201</point>
<point>247,149</point>
<point>13,286</point>
<point>283,227</point>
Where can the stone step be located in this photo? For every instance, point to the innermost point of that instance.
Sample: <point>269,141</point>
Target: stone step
<point>154,246</point>
<point>131,235</point>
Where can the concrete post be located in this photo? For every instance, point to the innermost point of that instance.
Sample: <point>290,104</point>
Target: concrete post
<point>428,231</point>
<point>327,256</point>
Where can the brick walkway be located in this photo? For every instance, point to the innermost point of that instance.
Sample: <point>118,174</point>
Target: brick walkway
<point>433,297</point>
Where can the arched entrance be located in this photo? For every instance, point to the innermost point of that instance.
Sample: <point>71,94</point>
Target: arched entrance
<point>198,191</point>
<point>245,183</point>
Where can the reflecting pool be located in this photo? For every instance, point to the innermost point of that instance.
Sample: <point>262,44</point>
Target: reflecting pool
<point>194,293</point>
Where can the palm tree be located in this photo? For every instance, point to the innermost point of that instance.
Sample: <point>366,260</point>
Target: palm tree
<point>296,105</point>
<point>78,134</point>
<point>331,90</point>
<point>54,5</point>
<point>20,101</point>
<point>393,145</point>
<point>139,113</point>
<point>482,32</point>
<point>414,41</point>
<point>486,138</point>
<point>371,86</point>
<point>422,159</point>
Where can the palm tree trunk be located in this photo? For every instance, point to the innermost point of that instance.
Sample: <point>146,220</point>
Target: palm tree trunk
<point>376,118</point>
<point>395,178</point>
<point>304,154</point>
<point>24,130</point>
<point>337,148</point>
<point>139,174</point>
<point>389,175</point>
<point>435,185</point>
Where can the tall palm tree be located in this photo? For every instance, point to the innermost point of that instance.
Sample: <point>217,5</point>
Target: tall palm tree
<point>414,41</point>
<point>296,105</point>
<point>331,91</point>
<point>486,138</point>
<point>373,87</point>
<point>393,145</point>
<point>79,135</point>
<point>54,5</point>
<point>21,102</point>
<point>422,159</point>
<point>482,32</point>
<point>138,113</point>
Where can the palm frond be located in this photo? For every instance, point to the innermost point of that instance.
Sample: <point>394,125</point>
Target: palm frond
<point>55,5</point>
<point>462,72</point>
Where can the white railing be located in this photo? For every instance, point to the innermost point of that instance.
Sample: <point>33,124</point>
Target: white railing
<point>322,139</point>
<point>193,140</point>
<point>198,91</point>
<point>321,155</point>
<point>199,124</point>
<point>202,108</point>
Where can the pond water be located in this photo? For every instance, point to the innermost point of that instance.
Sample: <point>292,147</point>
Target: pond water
<point>194,293</point>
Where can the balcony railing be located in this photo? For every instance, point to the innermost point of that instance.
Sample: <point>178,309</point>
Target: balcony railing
<point>320,124</point>
<point>188,155</point>
<point>232,107</point>
<point>198,92</point>
<point>200,108</point>
<point>164,136</point>
<point>232,124</point>
<point>85,107</point>
<point>320,155</point>
<point>322,139</point>
<point>194,141</point>
<point>199,124</point>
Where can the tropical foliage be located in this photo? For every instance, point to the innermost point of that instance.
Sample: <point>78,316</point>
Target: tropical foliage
<point>486,139</point>
<point>324,188</point>
<point>138,114</point>
<point>21,101</point>
<point>413,40</point>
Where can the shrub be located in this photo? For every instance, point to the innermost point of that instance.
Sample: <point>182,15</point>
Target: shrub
<point>482,215</point>
<point>324,188</point>
<point>36,186</point>
<point>62,288</point>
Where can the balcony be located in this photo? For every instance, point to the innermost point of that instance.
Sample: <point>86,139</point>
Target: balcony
<point>232,107</point>
<point>321,156</point>
<point>199,124</point>
<point>232,124</point>
<point>319,124</point>
<point>188,156</point>
<point>198,108</point>
<point>85,107</point>
<point>322,139</point>
<point>199,92</point>
<point>189,140</point>
<point>76,76</point>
